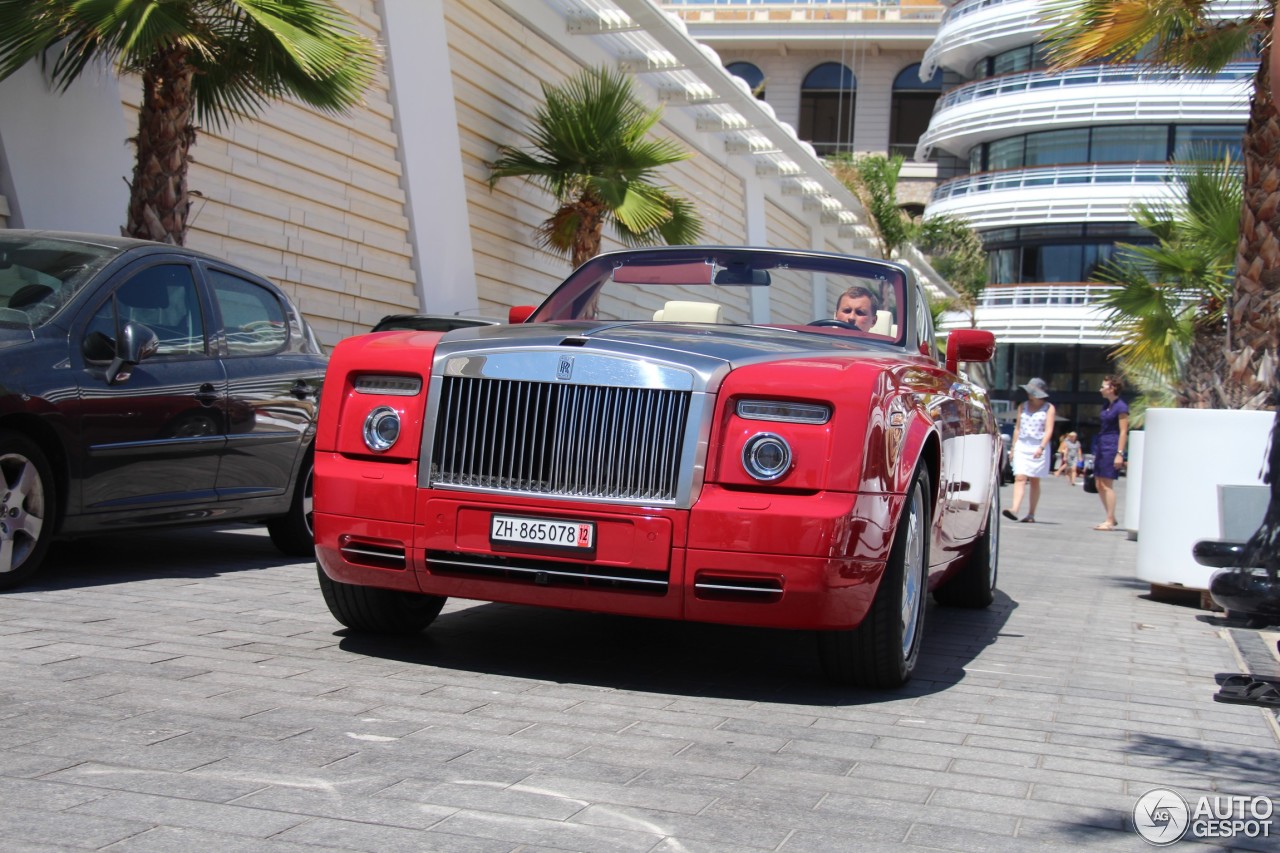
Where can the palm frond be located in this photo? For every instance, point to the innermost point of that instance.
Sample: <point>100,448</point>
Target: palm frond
<point>592,150</point>
<point>1178,33</point>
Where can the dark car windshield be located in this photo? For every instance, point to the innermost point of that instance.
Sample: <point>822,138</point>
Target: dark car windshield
<point>38,275</point>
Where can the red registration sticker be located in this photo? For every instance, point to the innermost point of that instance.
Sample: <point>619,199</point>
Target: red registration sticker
<point>544,532</point>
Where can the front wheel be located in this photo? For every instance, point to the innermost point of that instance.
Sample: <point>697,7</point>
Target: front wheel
<point>883,650</point>
<point>379,611</point>
<point>27,519</point>
<point>294,533</point>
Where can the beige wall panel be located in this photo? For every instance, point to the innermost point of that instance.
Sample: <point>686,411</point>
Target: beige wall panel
<point>311,201</point>
<point>497,67</point>
<point>788,305</point>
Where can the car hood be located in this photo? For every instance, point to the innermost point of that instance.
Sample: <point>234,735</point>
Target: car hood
<point>624,353</point>
<point>11,336</point>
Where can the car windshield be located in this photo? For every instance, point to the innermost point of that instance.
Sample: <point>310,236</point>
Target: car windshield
<point>844,294</point>
<point>38,275</point>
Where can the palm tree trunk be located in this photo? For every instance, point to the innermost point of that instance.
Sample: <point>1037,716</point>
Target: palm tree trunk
<point>158,200</point>
<point>1201,384</point>
<point>1254,315</point>
<point>586,243</point>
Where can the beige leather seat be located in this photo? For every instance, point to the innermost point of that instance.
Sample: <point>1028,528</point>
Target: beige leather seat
<point>676,311</point>
<point>884,324</point>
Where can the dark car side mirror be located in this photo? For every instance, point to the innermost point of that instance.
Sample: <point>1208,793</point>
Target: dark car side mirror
<point>969,345</point>
<point>136,343</point>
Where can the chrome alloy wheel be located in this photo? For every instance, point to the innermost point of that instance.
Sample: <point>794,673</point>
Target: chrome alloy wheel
<point>913,569</point>
<point>22,510</point>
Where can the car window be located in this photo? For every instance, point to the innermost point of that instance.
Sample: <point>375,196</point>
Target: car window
<point>39,274</point>
<point>253,317</point>
<point>162,298</point>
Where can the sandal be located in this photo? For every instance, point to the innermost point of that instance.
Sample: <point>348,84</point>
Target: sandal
<point>1105,526</point>
<point>1030,519</point>
<point>1009,515</point>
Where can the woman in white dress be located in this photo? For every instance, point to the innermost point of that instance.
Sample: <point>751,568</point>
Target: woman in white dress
<point>1031,436</point>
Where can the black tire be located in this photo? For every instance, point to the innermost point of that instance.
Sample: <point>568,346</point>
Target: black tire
<point>974,585</point>
<point>29,506</point>
<point>379,611</point>
<point>883,650</point>
<point>294,533</point>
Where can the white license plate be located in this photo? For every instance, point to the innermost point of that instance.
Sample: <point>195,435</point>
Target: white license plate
<point>545,532</point>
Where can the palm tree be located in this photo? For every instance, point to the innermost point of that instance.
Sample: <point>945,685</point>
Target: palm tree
<point>1169,299</point>
<point>1181,34</point>
<point>201,62</point>
<point>592,153</point>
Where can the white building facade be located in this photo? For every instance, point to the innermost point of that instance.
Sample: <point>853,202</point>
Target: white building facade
<point>1055,163</point>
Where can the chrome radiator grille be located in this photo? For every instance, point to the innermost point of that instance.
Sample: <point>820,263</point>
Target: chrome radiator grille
<point>550,438</point>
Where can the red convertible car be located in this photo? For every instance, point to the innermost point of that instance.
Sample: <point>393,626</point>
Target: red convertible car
<point>643,444</point>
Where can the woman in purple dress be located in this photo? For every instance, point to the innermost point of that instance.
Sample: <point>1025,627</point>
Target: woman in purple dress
<point>1108,447</point>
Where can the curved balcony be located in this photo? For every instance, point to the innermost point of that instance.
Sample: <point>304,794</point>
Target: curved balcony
<point>1088,193</point>
<point>1092,95</point>
<point>976,28</point>
<point>1065,313</point>
<point>973,29</point>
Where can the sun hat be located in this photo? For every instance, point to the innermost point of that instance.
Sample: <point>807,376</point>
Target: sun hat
<point>1036,388</point>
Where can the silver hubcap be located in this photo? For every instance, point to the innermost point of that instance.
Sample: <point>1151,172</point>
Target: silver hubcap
<point>21,512</point>
<point>912,573</point>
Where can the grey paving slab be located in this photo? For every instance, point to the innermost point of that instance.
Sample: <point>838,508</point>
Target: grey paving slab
<point>165,702</point>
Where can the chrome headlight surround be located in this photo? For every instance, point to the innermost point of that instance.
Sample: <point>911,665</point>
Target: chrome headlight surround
<point>766,456</point>
<point>784,411</point>
<point>381,429</point>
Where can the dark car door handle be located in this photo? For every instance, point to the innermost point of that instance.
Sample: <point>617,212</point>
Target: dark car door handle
<point>301,390</point>
<point>207,395</point>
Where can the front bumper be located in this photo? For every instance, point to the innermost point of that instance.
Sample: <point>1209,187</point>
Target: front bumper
<point>781,561</point>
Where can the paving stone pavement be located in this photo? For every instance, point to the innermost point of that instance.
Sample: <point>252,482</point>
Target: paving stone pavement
<point>188,690</point>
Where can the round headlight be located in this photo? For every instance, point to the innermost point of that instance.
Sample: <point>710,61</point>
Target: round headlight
<point>381,429</point>
<point>766,456</point>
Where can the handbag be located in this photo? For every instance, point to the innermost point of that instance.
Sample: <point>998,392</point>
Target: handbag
<point>1090,485</point>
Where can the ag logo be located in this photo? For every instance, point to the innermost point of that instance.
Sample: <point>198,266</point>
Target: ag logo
<point>564,368</point>
<point>1161,817</point>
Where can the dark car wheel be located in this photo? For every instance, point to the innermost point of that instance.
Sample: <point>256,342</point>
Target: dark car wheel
<point>294,533</point>
<point>27,523</point>
<point>379,611</point>
<point>974,584</point>
<point>883,650</point>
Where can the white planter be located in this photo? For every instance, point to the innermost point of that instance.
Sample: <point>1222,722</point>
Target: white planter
<point>1187,454</point>
<point>1133,482</point>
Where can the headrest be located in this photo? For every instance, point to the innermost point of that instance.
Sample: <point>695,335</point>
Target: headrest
<point>884,323</point>
<point>676,311</point>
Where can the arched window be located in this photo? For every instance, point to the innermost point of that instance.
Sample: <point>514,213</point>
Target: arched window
<point>753,75</point>
<point>827,100</point>
<point>912,107</point>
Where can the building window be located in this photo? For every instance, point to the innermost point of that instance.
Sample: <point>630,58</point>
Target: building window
<point>749,72</point>
<point>828,97</point>
<point>911,109</point>
<point>1155,143</point>
<point>1055,253</point>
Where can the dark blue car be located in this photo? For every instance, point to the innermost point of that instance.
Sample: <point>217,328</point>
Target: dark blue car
<point>142,385</point>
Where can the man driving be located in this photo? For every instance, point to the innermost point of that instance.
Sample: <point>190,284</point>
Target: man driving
<point>857,306</point>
